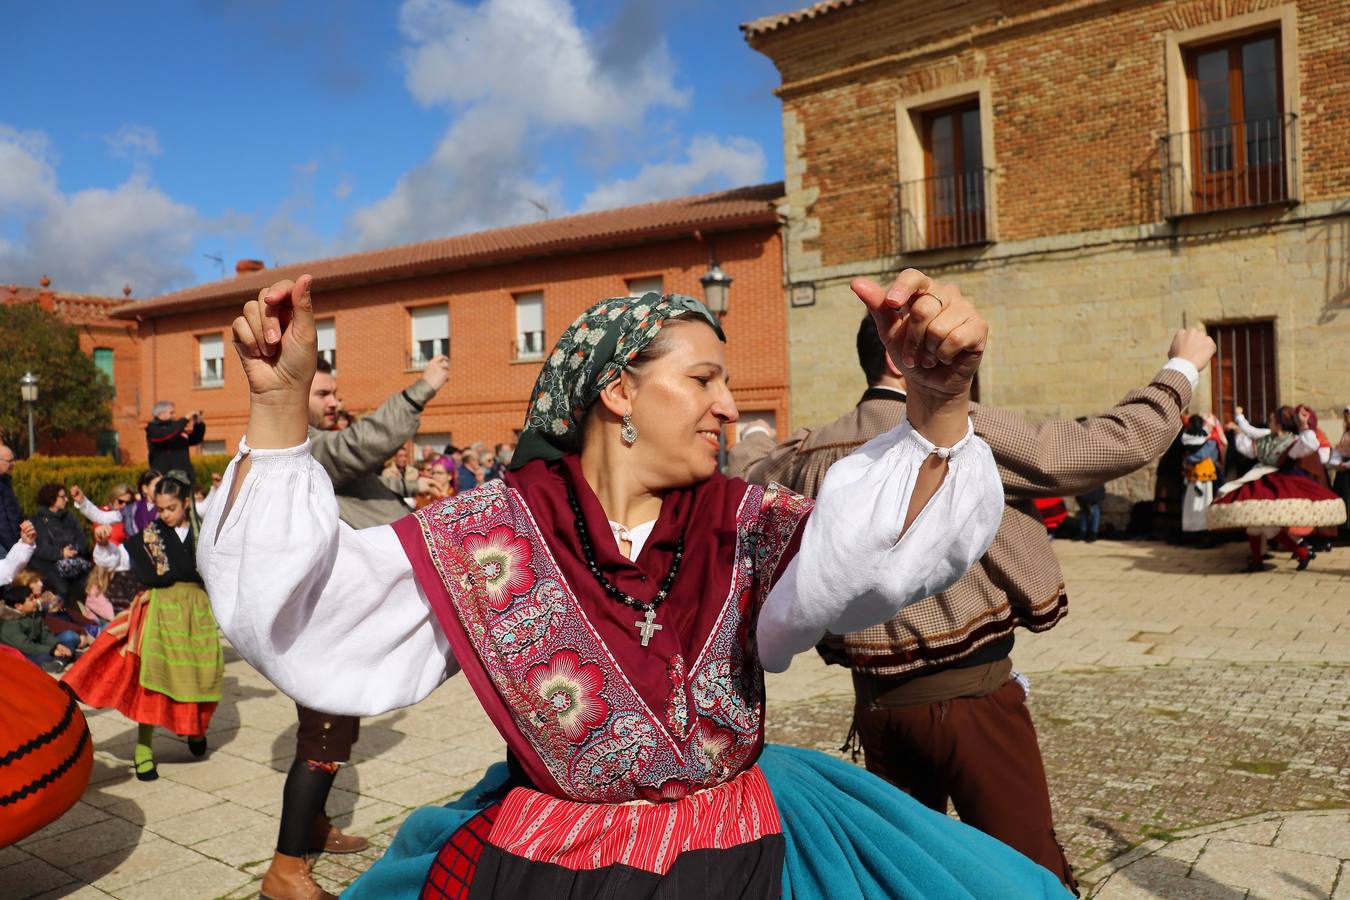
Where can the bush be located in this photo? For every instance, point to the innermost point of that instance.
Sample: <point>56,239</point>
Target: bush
<point>96,475</point>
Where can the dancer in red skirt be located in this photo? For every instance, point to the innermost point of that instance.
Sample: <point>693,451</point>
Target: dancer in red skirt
<point>160,662</point>
<point>1280,497</point>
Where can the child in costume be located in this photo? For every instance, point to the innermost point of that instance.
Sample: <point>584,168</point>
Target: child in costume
<point>159,662</point>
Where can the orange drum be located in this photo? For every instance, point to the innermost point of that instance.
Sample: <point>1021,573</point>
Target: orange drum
<point>46,753</point>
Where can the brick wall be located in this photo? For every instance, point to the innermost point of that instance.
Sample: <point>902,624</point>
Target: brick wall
<point>486,396</point>
<point>1079,101</point>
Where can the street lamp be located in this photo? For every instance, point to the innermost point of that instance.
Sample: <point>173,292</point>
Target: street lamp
<point>716,287</point>
<point>28,389</point>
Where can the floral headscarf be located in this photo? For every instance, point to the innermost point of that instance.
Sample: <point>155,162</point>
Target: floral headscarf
<point>590,354</point>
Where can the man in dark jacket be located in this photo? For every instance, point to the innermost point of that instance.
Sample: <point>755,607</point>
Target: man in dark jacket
<point>169,438</point>
<point>10,512</point>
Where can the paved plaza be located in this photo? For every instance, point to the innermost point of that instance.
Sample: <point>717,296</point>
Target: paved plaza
<point>1195,724</point>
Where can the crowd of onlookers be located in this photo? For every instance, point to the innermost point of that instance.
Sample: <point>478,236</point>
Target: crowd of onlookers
<point>55,598</point>
<point>446,473</point>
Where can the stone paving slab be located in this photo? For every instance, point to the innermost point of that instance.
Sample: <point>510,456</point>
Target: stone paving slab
<point>1175,684</point>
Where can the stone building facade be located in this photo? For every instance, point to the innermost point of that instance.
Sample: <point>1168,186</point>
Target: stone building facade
<point>1093,173</point>
<point>495,301</point>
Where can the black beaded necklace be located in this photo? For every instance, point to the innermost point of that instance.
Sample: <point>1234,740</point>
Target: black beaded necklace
<point>648,626</point>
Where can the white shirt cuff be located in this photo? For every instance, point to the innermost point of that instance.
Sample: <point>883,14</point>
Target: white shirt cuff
<point>277,459</point>
<point>1185,367</point>
<point>929,448</point>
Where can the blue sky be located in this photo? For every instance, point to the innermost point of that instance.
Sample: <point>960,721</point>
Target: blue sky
<point>137,138</point>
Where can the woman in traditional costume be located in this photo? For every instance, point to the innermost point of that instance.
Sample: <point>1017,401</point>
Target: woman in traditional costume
<point>1280,497</point>
<point>614,603</point>
<point>1199,471</point>
<point>160,661</point>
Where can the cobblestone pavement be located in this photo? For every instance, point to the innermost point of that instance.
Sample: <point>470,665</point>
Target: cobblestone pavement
<point>1175,696</point>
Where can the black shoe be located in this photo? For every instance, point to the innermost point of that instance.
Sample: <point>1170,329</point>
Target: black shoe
<point>146,771</point>
<point>1092,539</point>
<point>197,746</point>
<point>1254,566</point>
<point>1303,563</point>
<point>1267,555</point>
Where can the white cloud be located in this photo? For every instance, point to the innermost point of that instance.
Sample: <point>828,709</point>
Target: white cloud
<point>343,189</point>
<point>516,75</point>
<point>94,240</point>
<point>133,141</point>
<point>709,163</point>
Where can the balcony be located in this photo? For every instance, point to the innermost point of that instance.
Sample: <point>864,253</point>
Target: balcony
<point>945,211</point>
<point>1234,166</point>
<point>528,345</point>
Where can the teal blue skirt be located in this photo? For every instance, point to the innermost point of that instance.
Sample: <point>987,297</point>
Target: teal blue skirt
<point>848,834</point>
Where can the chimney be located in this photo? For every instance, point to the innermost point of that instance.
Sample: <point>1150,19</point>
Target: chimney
<point>126,290</point>
<point>46,299</point>
<point>245,266</point>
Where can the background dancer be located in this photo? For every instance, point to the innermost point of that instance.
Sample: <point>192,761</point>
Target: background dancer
<point>159,663</point>
<point>939,711</point>
<point>354,459</point>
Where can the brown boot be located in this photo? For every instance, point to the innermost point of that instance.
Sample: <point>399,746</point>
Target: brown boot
<point>328,838</point>
<point>288,878</point>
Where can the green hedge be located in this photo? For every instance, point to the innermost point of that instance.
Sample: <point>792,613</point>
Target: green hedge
<point>96,475</point>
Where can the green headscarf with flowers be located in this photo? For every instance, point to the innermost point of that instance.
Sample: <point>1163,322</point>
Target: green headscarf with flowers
<point>590,354</point>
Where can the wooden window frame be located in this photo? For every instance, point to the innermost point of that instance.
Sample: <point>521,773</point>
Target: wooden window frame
<point>962,226</point>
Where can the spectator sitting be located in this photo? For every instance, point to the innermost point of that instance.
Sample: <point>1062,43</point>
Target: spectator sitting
<point>28,633</point>
<point>113,515</point>
<point>57,613</point>
<point>18,556</point>
<point>60,556</point>
<point>11,514</point>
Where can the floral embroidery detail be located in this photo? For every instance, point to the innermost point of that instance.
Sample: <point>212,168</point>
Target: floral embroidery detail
<point>677,707</point>
<point>524,631</point>
<point>154,548</point>
<point>503,559</point>
<point>711,744</point>
<point>572,689</point>
<point>618,757</point>
<point>719,694</point>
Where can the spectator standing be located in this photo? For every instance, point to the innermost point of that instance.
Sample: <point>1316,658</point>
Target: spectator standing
<point>1340,464</point>
<point>1199,472</point>
<point>11,514</point>
<point>401,466</point>
<point>470,471</point>
<point>60,556</point>
<point>169,438</point>
<point>1090,513</point>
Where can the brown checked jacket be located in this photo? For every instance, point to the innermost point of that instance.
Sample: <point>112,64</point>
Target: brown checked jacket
<point>1018,581</point>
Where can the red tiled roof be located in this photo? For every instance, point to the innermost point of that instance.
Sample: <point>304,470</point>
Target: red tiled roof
<point>779,20</point>
<point>78,309</point>
<point>721,211</point>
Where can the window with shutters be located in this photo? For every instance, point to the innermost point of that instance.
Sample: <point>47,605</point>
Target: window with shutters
<point>326,331</point>
<point>430,334</point>
<point>529,342</point>
<point>210,360</point>
<point>103,359</point>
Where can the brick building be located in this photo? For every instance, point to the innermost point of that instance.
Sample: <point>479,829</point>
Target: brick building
<point>494,300</point>
<point>115,348</point>
<point>1093,173</point>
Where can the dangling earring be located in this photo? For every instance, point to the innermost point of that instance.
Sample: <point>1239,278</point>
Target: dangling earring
<point>629,431</point>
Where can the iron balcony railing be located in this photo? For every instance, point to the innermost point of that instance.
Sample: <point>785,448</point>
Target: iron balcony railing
<point>1232,166</point>
<point>945,211</point>
<point>528,345</point>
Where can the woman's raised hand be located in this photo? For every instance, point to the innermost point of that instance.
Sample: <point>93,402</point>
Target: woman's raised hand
<point>277,343</point>
<point>934,337</point>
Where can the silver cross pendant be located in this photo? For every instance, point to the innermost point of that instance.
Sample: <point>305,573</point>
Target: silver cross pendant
<point>648,626</point>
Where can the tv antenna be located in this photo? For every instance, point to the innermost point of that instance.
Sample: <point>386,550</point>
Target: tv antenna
<point>219,260</point>
<point>539,205</point>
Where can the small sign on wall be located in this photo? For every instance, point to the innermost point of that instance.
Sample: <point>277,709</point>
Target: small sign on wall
<point>804,294</point>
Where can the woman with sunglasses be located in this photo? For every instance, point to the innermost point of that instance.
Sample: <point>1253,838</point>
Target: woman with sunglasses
<point>114,515</point>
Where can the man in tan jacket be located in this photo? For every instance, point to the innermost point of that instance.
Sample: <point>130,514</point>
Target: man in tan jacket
<point>937,710</point>
<point>354,458</point>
